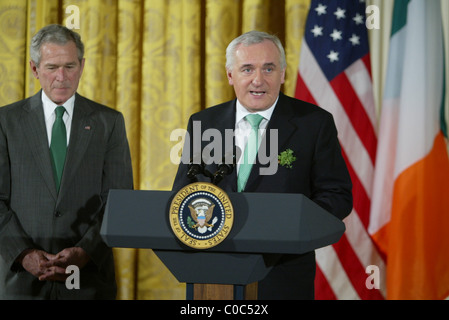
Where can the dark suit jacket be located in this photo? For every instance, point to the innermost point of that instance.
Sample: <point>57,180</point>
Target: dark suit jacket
<point>34,215</point>
<point>319,173</point>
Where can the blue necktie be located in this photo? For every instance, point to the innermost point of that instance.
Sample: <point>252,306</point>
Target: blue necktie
<point>58,145</point>
<point>250,153</point>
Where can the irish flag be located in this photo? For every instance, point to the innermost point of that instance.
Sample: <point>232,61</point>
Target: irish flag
<point>410,205</point>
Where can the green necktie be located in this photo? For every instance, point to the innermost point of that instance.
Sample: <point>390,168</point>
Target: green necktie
<point>58,145</point>
<point>250,152</point>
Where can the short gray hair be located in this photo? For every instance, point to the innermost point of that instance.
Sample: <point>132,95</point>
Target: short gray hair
<point>54,33</point>
<point>250,38</point>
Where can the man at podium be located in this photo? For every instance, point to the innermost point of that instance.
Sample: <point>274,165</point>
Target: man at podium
<point>306,150</point>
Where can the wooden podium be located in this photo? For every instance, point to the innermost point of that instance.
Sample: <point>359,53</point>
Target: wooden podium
<point>265,227</point>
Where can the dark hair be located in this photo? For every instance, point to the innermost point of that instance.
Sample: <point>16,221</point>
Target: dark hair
<point>54,33</point>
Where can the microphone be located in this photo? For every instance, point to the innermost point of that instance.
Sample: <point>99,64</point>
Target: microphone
<point>194,170</point>
<point>223,170</point>
<point>195,167</point>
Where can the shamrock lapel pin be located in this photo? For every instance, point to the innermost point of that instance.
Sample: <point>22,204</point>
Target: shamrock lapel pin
<point>286,158</point>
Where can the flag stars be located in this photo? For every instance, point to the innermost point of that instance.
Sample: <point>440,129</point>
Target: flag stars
<point>317,31</point>
<point>340,13</point>
<point>321,9</point>
<point>336,35</point>
<point>333,56</point>
<point>355,40</point>
<point>358,19</point>
<point>333,35</point>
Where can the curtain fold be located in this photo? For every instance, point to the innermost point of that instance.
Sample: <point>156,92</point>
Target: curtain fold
<point>13,51</point>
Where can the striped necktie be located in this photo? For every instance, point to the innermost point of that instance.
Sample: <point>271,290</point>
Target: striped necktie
<point>250,153</point>
<point>58,145</point>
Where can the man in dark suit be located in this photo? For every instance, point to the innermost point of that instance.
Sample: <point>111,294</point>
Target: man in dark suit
<point>256,68</point>
<point>51,220</point>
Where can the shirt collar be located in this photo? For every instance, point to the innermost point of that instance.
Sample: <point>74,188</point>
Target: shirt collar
<point>242,112</point>
<point>49,106</point>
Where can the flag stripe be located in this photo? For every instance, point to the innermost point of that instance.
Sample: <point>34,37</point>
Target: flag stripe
<point>357,248</point>
<point>361,202</point>
<point>351,104</point>
<point>302,92</point>
<point>383,179</point>
<point>355,270</point>
<point>325,292</point>
<point>364,247</point>
<point>409,214</point>
<point>367,62</point>
<point>420,271</point>
<point>335,274</point>
<point>400,15</point>
<point>335,74</point>
<point>359,76</point>
<point>325,97</point>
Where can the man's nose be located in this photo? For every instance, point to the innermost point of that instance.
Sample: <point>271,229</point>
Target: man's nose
<point>258,77</point>
<point>60,74</point>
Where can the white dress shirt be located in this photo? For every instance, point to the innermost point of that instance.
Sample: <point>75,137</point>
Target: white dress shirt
<point>49,114</point>
<point>243,128</point>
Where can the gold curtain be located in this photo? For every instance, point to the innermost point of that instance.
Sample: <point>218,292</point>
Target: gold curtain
<point>157,61</point>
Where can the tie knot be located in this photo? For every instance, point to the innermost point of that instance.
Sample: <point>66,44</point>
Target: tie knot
<point>59,111</point>
<point>254,120</point>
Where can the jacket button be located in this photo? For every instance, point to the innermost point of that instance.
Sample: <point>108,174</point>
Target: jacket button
<point>58,214</point>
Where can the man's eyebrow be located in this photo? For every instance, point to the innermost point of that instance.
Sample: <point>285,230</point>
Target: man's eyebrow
<point>269,64</point>
<point>72,63</point>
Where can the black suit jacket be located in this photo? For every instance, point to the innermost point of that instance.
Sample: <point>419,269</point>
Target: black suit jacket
<point>319,173</point>
<point>34,215</point>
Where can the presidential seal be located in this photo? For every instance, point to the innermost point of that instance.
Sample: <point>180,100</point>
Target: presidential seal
<point>201,215</point>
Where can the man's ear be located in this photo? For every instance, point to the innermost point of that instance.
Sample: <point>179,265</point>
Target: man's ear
<point>82,65</point>
<point>229,74</point>
<point>33,67</point>
<point>283,76</point>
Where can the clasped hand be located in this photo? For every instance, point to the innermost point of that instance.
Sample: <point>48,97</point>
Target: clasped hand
<point>47,266</point>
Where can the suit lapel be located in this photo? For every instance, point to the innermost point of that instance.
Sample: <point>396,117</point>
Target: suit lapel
<point>33,125</point>
<point>226,121</point>
<point>80,134</point>
<point>280,121</point>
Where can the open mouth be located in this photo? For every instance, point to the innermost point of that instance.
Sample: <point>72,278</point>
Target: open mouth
<point>257,93</point>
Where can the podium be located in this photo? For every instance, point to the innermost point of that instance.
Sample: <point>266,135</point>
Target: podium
<point>266,225</point>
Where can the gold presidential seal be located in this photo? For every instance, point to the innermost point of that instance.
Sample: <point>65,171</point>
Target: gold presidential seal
<point>201,215</point>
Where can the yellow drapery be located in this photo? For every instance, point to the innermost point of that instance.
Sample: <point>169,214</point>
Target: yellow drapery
<point>157,61</point>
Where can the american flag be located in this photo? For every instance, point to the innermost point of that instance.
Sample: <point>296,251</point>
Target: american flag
<point>335,74</point>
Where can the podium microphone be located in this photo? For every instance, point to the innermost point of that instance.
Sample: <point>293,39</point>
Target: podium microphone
<point>223,170</point>
<point>196,167</point>
<point>194,170</point>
